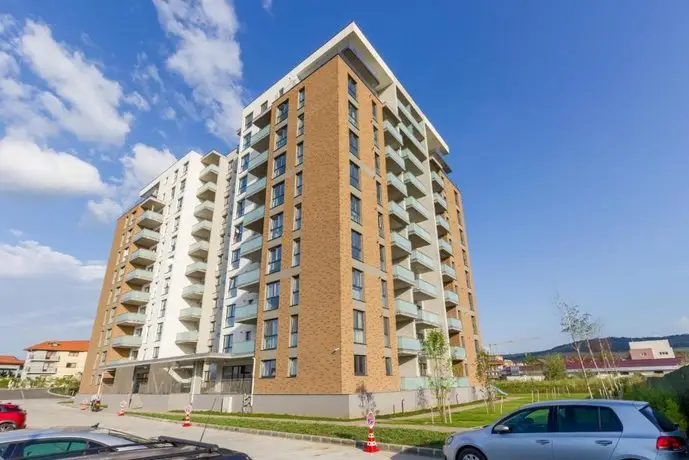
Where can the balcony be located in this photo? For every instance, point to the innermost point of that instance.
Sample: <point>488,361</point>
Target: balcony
<point>413,141</point>
<point>401,246</point>
<point>458,353</point>
<point>146,238</point>
<point>142,257</point>
<point>451,298</point>
<point>196,270</point>
<point>209,173</point>
<point>418,236</point>
<point>262,118</point>
<point>258,159</point>
<point>130,319</point>
<point>199,249</point>
<point>202,229</point>
<point>251,245</point>
<point>245,348</point>
<point>127,341</point>
<point>255,187</point>
<point>449,273</point>
<point>461,382</point>
<point>406,309</point>
<point>438,182</point>
<point>427,319</point>
<point>135,298</point>
<point>399,214</point>
<point>454,325</point>
<point>403,277</point>
<point>421,262</point>
<point>414,185</point>
<point>407,346</point>
<point>207,191</point>
<point>413,164</point>
<point>249,277</point>
<point>396,163</point>
<point>423,290</point>
<point>190,314</point>
<point>153,203</point>
<point>193,291</point>
<point>246,313</point>
<point>204,210</point>
<point>150,219</point>
<point>187,337</point>
<point>418,127</point>
<point>413,383</point>
<point>254,215</point>
<point>440,203</point>
<point>443,225</point>
<point>445,248</point>
<point>396,188</point>
<point>417,212</point>
<point>261,135</point>
<point>139,276</point>
<point>392,133</point>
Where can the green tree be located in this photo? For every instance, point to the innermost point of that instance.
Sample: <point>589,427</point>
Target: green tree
<point>485,367</point>
<point>437,352</point>
<point>530,359</point>
<point>554,367</point>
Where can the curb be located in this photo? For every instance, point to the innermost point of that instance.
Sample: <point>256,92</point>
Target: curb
<point>424,451</point>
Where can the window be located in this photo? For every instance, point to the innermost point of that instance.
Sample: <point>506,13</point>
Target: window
<point>185,168</point>
<point>353,115</point>
<point>235,259</point>
<point>227,343</point>
<point>292,371</point>
<point>247,141</point>
<point>248,120</point>
<point>159,331</point>
<point>354,176</point>
<point>297,217</point>
<point>243,183</point>
<point>357,284</point>
<point>359,328</point>
<point>274,259</point>
<point>173,243</point>
<point>355,208</point>
<point>295,290</point>
<point>278,194</point>
<point>156,351</point>
<point>238,233</point>
<point>374,111</point>
<point>229,315</point>
<point>276,224</point>
<point>587,419</point>
<point>300,125</point>
<point>268,369</point>
<point>386,331</point>
<point>423,369</point>
<point>172,192</point>
<point>473,325</point>
<point>179,203</point>
<point>468,278</point>
<point>377,163</point>
<point>353,144</point>
<point>296,252</point>
<point>279,165</point>
<point>381,251</point>
<point>241,204</point>
<point>384,293</point>
<point>301,98</point>
<point>461,236</point>
<point>71,365</point>
<point>351,87</point>
<point>357,252</point>
<point>270,334</point>
<point>73,354</point>
<point>52,447</point>
<point>166,286</point>
<point>247,336</point>
<point>388,366</point>
<point>163,307</point>
<point>233,287</point>
<point>298,183</point>
<point>264,106</point>
<point>380,224</point>
<point>182,185</point>
<point>379,193</point>
<point>244,163</point>
<point>465,258</point>
<point>283,110</point>
<point>272,295</point>
<point>459,217</point>
<point>528,421</point>
<point>300,153</point>
<point>293,330</point>
<point>281,137</point>
<point>359,364</point>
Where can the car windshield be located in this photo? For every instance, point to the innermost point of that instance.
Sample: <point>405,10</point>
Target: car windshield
<point>659,419</point>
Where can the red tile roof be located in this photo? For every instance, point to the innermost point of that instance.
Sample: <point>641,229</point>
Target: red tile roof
<point>10,360</point>
<point>60,345</point>
<point>573,363</point>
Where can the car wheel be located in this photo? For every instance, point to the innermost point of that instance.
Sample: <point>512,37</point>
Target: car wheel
<point>469,453</point>
<point>7,427</point>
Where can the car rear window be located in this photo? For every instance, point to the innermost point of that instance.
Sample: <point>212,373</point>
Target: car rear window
<point>659,419</point>
<point>9,408</point>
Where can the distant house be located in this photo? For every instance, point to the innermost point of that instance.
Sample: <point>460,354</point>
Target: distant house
<point>10,366</point>
<point>55,358</point>
<point>624,367</point>
<point>651,349</point>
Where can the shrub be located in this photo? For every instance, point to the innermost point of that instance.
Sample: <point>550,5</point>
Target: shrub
<point>666,401</point>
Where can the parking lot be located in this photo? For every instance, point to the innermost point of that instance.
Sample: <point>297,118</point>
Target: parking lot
<point>44,413</point>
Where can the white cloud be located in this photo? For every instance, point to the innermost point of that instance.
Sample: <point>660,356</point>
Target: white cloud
<point>207,56</point>
<point>30,259</point>
<point>168,113</point>
<point>267,5</point>
<point>104,210</point>
<point>6,22</point>
<point>16,233</point>
<point>27,167</point>
<point>145,72</point>
<point>138,101</point>
<point>8,65</point>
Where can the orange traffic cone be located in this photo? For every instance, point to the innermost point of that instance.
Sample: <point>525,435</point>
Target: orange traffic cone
<point>187,421</point>
<point>121,412</point>
<point>371,445</point>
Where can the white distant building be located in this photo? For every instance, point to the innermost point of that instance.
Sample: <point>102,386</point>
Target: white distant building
<point>651,349</point>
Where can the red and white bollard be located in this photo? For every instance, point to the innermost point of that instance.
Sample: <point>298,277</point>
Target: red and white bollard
<point>187,420</point>
<point>121,412</point>
<point>371,446</point>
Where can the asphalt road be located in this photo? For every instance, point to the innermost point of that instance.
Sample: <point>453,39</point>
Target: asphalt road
<point>45,413</point>
<point>16,395</point>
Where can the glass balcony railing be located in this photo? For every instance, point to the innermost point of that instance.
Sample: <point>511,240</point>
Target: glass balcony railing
<point>407,309</point>
<point>419,258</point>
<point>400,241</point>
<point>193,291</point>
<point>127,341</point>
<point>204,210</point>
<point>139,275</point>
<point>247,347</point>
<point>207,191</point>
<point>429,318</point>
<point>256,187</point>
<point>413,164</point>
<point>448,271</point>
<point>245,312</point>
<point>400,273</point>
<point>408,345</point>
<point>394,155</point>
<point>254,215</point>
<point>142,256</point>
<point>251,245</point>
<point>190,314</point>
<point>130,319</point>
<point>425,289</point>
<point>397,183</point>
<point>146,238</point>
<point>414,185</point>
<point>199,249</point>
<point>453,324</point>
<point>442,224</point>
<point>415,230</point>
<point>451,298</point>
<point>419,147</point>
<point>413,206</point>
<point>209,173</point>
<point>135,298</point>
<point>413,383</point>
<point>196,269</point>
<point>249,277</point>
<point>440,201</point>
<point>150,219</point>
<point>257,159</point>
<point>458,353</point>
<point>438,182</point>
<point>260,135</point>
<point>394,133</point>
<point>399,212</point>
<point>187,337</point>
<point>444,247</point>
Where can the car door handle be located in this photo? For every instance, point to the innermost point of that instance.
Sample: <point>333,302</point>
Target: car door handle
<point>603,442</point>
<point>543,442</point>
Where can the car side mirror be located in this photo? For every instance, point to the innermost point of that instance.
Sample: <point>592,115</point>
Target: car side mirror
<point>501,429</point>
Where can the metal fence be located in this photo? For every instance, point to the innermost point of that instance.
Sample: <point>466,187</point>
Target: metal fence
<point>228,386</point>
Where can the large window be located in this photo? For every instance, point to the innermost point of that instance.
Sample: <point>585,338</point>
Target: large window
<point>384,293</point>
<point>233,287</point>
<point>353,143</point>
<point>374,111</point>
<point>297,217</point>
<point>300,153</point>
<point>295,290</point>
<point>235,259</point>
<point>283,110</point>
<point>360,365</point>
<point>353,116</point>
<point>359,327</point>
<point>279,165</point>
<point>354,176</point>
<point>294,331</point>
<point>357,249</point>
<point>229,315</point>
<point>301,98</point>
<point>300,125</point>
<point>355,208</point>
<point>357,284</point>
<point>243,183</point>
<point>244,163</point>
<point>268,368</point>
<point>379,193</point>
<point>270,334</point>
<point>380,224</point>
<point>375,137</point>
<point>278,196</point>
<point>296,252</point>
<point>159,332</point>
<point>276,225</point>
<point>381,251</point>
<point>247,141</point>
<point>240,207</point>
<point>227,343</point>
<point>272,295</point>
<point>274,259</point>
<point>377,163</point>
<point>386,331</point>
<point>388,366</point>
<point>351,87</point>
<point>281,137</point>
<point>298,184</point>
<point>292,364</point>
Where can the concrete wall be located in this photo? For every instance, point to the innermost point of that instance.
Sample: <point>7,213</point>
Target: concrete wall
<point>164,403</point>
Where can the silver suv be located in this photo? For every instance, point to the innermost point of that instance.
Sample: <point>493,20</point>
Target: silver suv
<point>591,429</point>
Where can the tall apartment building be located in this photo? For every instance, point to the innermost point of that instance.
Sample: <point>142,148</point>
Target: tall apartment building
<point>55,358</point>
<point>344,242</point>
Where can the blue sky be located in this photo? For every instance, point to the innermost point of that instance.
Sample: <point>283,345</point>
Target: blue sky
<point>567,124</point>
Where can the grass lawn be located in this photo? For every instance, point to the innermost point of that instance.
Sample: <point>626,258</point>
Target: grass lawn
<point>275,416</point>
<point>423,438</point>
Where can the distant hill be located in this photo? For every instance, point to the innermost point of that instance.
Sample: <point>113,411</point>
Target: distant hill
<point>617,345</point>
